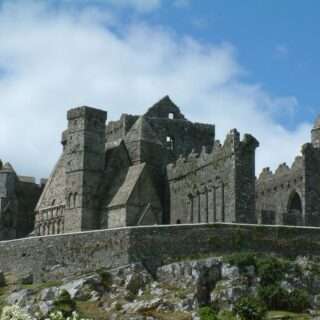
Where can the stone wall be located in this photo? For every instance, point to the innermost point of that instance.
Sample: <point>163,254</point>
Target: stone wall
<point>311,156</point>
<point>215,186</point>
<point>18,197</point>
<point>51,257</point>
<point>275,190</point>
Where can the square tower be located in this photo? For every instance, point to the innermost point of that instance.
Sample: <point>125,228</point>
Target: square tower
<point>84,165</point>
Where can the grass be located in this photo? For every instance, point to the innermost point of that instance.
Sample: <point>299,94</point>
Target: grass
<point>91,310</point>
<point>42,285</point>
<point>161,315</point>
<point>283,315</point>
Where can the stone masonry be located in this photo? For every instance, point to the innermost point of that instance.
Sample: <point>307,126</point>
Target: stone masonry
<point>291,195</point>
<point>18,197</point>
<point>157,168</point>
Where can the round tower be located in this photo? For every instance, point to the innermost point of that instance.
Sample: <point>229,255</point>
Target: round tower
<point>315,133</point>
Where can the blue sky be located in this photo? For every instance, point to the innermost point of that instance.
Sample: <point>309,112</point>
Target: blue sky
<point>276,42</point>
<point>253,65</point>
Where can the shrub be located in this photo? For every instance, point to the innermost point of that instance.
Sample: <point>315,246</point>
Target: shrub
<point>250,308</point>
<point>14,313</point>
<point>271,270</point>
<point>226,315</point>
<point>274,297</point>
<point>207,313</point>
<point>298,300</point>
<point>242,260</point>
<point>64,303</point>
<point>277,298</point>
<point>106,278</point>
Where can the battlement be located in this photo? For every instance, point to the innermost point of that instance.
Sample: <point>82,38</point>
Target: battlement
<point>218,154</point>
<point>283,171</point>
<point>84,112</point>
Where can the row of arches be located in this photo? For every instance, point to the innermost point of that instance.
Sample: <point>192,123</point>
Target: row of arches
<point>50,227</point>
<point>208,206</point>
<point>72,200</point>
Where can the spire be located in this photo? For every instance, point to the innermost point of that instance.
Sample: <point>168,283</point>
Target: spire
<point>142,131</point>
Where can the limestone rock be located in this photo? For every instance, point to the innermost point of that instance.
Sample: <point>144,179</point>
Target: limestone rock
<point>21,298</point>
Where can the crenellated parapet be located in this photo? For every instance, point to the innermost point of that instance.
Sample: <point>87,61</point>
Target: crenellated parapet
<point>232,147</point>
<point>283,172</point>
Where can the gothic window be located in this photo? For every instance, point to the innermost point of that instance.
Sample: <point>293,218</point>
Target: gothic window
<point>75,200</point>
<point>69,204</point>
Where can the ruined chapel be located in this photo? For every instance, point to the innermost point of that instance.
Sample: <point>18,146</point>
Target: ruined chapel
<point>157,168</point>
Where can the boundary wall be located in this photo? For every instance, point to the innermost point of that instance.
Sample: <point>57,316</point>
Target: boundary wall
<point>58,256</point>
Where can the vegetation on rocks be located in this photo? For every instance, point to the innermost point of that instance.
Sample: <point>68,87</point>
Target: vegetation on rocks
<point>243,286</point>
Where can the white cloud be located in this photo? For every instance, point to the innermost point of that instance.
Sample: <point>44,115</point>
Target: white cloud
<point>55,61</point>
<point>182,3</point>
<point>139,5</point>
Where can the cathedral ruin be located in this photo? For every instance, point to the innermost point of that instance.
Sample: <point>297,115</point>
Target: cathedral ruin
<point>157,168</point>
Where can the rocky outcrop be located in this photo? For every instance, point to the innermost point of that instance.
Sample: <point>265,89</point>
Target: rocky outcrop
<point>178,289</point>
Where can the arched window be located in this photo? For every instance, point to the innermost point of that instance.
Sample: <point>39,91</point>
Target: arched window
<point>75,200</point>
<point>171,115</point>
<point>293,216</point>
<point>69,201</point>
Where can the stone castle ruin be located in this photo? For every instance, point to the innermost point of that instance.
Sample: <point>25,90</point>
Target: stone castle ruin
<point>158,168</point>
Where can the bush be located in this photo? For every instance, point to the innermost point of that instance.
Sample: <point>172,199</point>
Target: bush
<point>277,298</point>
<point>274,297</point>
<point>242,260</point>
<point>250,308</point>
<point>64,303</point>
<point>207,313</point>
<point>14,313</point>
<point>271,270</point>
<point>226,315</point>
<point>298,300</point>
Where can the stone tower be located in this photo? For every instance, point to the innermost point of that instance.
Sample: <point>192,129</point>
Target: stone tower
<point>315,134</point>
<point>84,163</point>
<point>8,202</point>
<point>143,144</point>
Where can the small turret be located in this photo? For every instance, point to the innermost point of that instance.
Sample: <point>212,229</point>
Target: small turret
<point>315,133</point>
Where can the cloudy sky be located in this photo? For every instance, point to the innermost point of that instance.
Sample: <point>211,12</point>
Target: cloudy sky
<point>251,65</point>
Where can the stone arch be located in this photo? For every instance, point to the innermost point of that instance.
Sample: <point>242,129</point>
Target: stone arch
<point>75,200</point>
<point>69,200</point>
<point>293,215</point>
